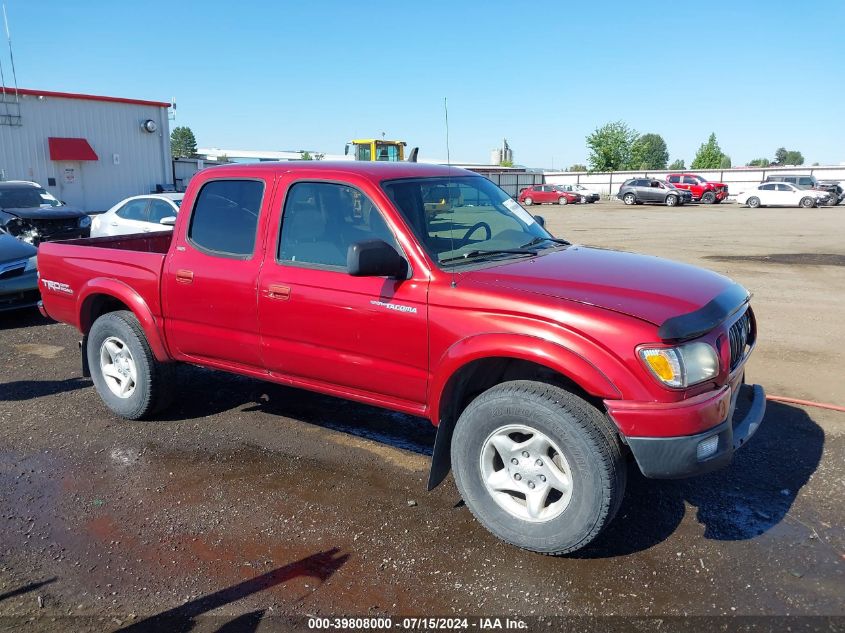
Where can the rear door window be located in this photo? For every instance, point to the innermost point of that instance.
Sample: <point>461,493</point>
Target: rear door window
<point>674,179</point>
<point>225,217</point>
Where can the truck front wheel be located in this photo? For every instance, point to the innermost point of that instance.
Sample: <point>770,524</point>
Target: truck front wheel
<point>127,376</point>
<point>538,466</point>
<point>708,197</point>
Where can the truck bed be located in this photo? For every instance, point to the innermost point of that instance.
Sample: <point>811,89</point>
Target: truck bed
<point>158,242</point>
<point>73,270</point>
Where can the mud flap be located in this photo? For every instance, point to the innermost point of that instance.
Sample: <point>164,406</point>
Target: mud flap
<point>83,348</point>
<point>441,458</point>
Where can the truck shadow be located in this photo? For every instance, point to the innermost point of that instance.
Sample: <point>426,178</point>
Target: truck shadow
<point>21,390</point>
<point>217,392</point>
<point>27,317</point>
<point>740,502</point>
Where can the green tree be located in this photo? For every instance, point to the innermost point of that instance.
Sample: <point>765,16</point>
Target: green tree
<point>305,155</point>
<point>505,163</point>
<point>677,164</point>
<point>577,167</point>
<point>610,146</point>
<point>725,163</point>
<point>758,162</point>
<point>710,155</point>
<point>649,152</point>
<point>183,143</point>
<point>784,156</point>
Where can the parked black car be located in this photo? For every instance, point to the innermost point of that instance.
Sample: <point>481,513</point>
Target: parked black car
<point>31,213</point>
<point>18,273</point>
<point>807,181</point>
<point>640,190</point>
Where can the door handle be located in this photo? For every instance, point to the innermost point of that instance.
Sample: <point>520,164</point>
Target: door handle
<point>282,293</point>
<point>185,276</point>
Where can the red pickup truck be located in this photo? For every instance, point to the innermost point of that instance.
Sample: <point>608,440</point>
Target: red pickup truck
<point>544,364</point>
<point>702,190</point>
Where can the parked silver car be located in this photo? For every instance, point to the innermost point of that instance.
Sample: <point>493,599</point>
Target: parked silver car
<point>653,191</point>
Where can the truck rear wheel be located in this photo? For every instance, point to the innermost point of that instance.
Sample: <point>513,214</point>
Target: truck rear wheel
<point>129,379</point>
<point>538,466</point>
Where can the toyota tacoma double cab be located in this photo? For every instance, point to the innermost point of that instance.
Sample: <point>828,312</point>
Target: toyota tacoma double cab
<point>702,190</point>
<point>545,365</point>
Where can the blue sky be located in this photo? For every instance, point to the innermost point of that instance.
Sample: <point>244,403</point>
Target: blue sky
<point>312,75</point>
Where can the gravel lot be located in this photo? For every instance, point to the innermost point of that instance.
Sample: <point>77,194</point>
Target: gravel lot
<point>249,500</point>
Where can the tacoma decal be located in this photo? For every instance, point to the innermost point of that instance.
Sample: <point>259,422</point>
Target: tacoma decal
<point>394,306</point>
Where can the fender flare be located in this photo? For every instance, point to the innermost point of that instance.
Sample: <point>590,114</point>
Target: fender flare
<point>129,296</point>
<point>550,354</point>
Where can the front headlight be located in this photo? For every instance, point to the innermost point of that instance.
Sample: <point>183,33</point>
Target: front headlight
<point>681,366</point>
<point>84,222</point>
<point>31,264</point>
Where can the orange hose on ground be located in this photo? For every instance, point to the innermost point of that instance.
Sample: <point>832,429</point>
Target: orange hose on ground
<point>806,403</point>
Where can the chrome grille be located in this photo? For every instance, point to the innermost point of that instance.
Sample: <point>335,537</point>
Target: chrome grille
<point>740,338</point>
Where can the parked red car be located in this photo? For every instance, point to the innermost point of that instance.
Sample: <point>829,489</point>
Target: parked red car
<point>702,190</point>
<point>540,194</point>
<point>543,364</point>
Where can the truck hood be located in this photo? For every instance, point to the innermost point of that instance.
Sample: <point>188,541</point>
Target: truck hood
<point>641,286</point>
<point>41,213</point>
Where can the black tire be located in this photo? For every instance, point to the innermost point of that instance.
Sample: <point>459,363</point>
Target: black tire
<point>753,202</point>
<point>708,197</point>
<point>629,199</point>
<point>807,202</point>
<point>587,441</point>
<point>671,200</point>
<point>154,383</point>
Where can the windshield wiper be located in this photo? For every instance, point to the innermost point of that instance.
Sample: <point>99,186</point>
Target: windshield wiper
<point>492,251</point>
<point>537,240</point>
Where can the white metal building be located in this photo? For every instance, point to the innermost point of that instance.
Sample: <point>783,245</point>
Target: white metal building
<point>89,151</point>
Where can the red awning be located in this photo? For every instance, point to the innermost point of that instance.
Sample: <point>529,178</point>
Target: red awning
<point>71,149</point>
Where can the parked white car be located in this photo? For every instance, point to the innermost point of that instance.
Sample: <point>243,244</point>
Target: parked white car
<point>780,194</point>
<point>138,214</point>
<point>587,195</point>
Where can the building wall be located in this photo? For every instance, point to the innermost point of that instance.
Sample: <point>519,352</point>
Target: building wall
<point>111,128</point>
<point>737,179</point>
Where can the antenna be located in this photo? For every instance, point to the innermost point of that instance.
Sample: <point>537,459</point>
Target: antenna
<point>449,187</point>
<point>446,110</point>
<point>11,54</point>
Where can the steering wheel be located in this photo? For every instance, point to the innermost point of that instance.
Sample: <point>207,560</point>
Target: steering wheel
<point>481,225</point>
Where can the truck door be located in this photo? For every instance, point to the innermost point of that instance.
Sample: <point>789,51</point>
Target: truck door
<point>210,277</point>
<point>320,325</point>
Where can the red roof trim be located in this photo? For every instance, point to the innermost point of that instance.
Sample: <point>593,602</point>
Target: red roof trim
<point>73,95</point>
<point>70,149</point>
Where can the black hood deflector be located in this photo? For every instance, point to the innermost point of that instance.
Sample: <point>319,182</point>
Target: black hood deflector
<point>707,317</point>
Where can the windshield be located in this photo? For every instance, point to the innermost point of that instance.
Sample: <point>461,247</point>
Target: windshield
<point>475,216</point>
<point>26,198</point>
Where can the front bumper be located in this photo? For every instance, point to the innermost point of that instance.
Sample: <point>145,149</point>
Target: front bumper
<point>675,457</point>
<point>19,292</point>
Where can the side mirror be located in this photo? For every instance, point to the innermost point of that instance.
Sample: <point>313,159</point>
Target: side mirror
<point>375,258</point>
<point>346,150</point>
<point>170,220</point>
<point>540,220</point>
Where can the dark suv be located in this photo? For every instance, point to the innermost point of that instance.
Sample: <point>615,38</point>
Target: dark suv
<point>32,214</point>
<point>808,181</point>
<point>639,190</point>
